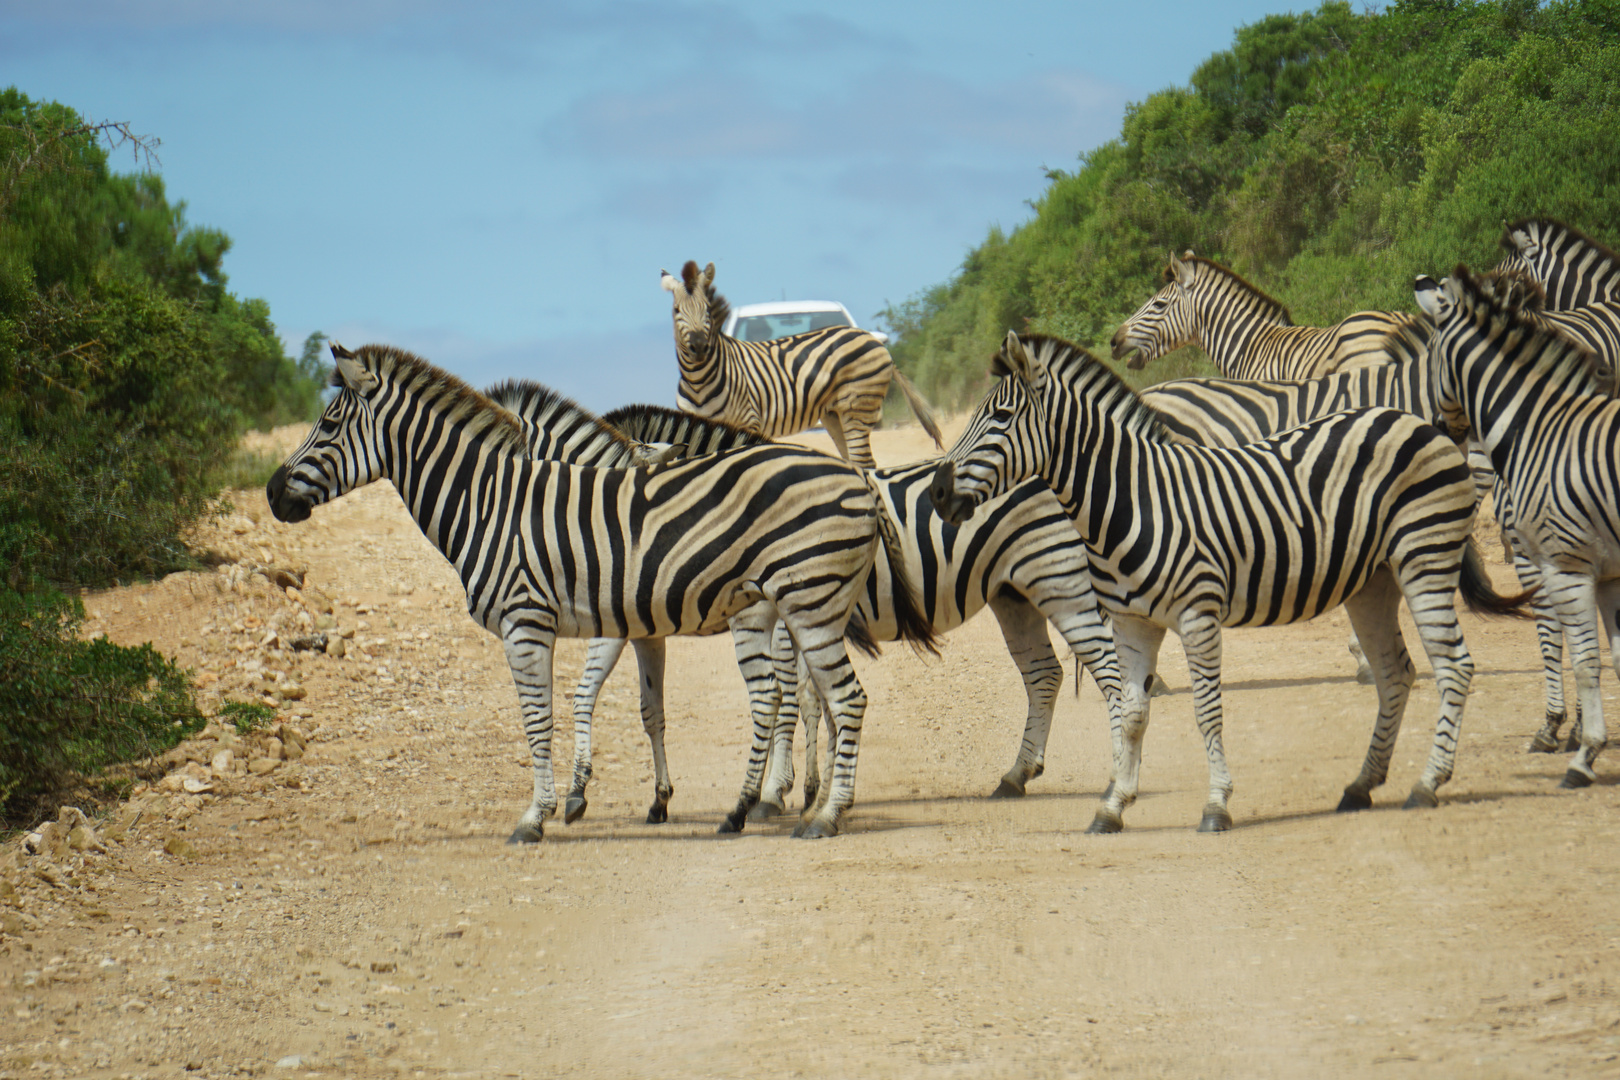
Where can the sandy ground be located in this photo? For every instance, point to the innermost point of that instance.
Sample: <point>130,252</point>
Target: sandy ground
<point>358,914</point>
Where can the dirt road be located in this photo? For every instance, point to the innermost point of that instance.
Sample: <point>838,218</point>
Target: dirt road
<point>356,913</point>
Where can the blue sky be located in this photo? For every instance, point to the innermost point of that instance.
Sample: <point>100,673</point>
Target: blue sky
<point>496,186</point>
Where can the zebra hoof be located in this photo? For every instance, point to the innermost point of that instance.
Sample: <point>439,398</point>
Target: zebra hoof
<point>1106,822</point>
<point>1575,779</point>
<point>733,822</point>
<point>657,813</point>
<point>1544,743</point>
<point>1040,767</point>
<point>1216,819</point>
<point>574,809</point>
<point>1355,800</point>
<point>815,829</point>
<point>525,834</point>
<point>1421,799</point>
<point>766,809</point>
<point>1008,789</point>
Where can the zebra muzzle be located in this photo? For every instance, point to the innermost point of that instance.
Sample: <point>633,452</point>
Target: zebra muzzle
<point>951,506</point>
<point>285,505</point>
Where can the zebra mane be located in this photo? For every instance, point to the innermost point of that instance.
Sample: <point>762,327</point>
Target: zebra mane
<point>1105,390</point>
<point>475,413</point>
<point>656,423</point>
<point>719,308</point>
<point>1507,301</point>
<point>1277,307</point>
<point>535,403</point>
<point>1545,227</point>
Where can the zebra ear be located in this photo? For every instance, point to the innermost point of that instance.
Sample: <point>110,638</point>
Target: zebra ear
<point>667,280</point>
<point>1183,269</point>
<point>1521,240</point>
<point>354,376</point>
<point>1430,297</point>
<point>708,274</point>
<point>1018,361</point>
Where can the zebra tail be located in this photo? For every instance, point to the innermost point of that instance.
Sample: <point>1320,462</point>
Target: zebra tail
<point>1481,598</point>
<point>925,415</point>
<point>858,634</point>
<point>913,624</point>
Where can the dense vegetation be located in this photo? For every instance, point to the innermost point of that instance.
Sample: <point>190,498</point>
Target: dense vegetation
<point>127,371</point>
<point>1329,156</point>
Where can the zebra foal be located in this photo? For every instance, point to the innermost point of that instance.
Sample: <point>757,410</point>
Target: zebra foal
<point>1359,508</point>
<point>837,376</point>
<point>546,549</point>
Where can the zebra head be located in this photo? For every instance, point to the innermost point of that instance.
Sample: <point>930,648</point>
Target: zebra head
<point>1165,323</point>
<point>693,291</point>
<point>1004,443</point>
<point>340,453</point>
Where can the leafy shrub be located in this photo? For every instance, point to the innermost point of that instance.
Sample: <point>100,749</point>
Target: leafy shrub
<point>247,716</point>
<point>69,707</point>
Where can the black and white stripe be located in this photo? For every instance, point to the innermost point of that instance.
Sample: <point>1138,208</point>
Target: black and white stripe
<point>546,549</point>
<point>1573,269</point>
<point>837,376</point>
<point>1359,508</point>
<point>1246,333</point>
<point>1019,556</point>
<point>1543,406</point>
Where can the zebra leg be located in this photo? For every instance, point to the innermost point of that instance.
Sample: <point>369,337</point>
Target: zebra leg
<point>751,634</point>
<point>1550,639</point>
<point>779,768</point>
<point>1137,642</point>
<point>650,659</point>
<point>812,713</point>
<point>845,701</point>
<point>1375,616</point>
<point>1577,596</point>
<point>1201,639</point>
<point>835,429</point>
<point>1435,613</point>
<point>600,658</point>
<point>529,654</point>
<point>1031,649</point>
<point>1364,672</point>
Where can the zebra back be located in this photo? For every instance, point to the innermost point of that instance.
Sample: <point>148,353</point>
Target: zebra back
<point>698,435</point>
<point>560,429</point>
<point>1573,269</point>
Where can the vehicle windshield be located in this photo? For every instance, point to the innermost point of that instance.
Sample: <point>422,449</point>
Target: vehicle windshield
<point>766,327</point>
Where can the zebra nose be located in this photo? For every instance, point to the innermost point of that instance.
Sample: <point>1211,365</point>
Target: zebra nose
<point>697,340</point>
<point>283,504</point>
<point>1121,343</point>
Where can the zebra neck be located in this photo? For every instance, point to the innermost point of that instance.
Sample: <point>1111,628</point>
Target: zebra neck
<point>442,479</point>
<point>703,379</point>
<point>1228,320</point>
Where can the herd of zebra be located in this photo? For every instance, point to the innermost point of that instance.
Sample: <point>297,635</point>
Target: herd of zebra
<point>1322,469</point>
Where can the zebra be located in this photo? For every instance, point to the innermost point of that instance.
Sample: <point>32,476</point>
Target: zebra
<point>1543,405</point>
<point>1246,333</point>
<point>836,376</point>
<point>546,549</point>
<point>1358,508</point>
<point>1573,269</point>
<point>1020,556</point>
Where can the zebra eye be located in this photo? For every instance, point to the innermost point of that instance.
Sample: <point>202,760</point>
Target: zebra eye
<point>1002,415</point>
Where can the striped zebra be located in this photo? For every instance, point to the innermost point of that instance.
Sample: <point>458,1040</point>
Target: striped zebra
<point>837,376</point>
<point>1359,508</point>
<point>1019,556</point>
<point>546,549</point>
<point>1573,269</point>
<point>1543,405</point>
<point>1246,333</point>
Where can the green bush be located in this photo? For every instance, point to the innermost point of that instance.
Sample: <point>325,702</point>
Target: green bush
<point>1329,156</point>
<point>247,716</point>
<point>68,708</point>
